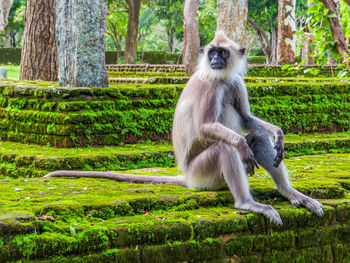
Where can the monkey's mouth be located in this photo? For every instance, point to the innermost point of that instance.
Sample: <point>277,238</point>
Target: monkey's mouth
<point>217,66</point>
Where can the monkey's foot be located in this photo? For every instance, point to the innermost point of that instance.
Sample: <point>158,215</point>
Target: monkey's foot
<point>267,210</point>
<point>308,202</point>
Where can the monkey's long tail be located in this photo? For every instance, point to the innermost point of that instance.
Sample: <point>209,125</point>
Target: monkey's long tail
<point>130,178</point>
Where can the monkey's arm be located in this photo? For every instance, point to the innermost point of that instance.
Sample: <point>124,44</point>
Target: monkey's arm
<point>252,122</point>
<point>215,131</point>
<point>277,136</point>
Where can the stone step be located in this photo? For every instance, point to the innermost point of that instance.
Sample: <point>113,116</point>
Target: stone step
<point>74,220</point>
<point>34,161</point>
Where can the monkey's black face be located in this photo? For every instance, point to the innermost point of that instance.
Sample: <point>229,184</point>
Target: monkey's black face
<point>218,58</point>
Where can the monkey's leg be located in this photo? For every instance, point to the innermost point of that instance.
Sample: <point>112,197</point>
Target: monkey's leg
<point>221,165</point>
<point>264,154</point>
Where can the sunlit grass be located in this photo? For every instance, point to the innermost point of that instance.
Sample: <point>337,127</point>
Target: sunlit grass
<point>13,71</point>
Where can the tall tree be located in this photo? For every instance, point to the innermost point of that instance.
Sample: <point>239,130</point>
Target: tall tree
<point>131,37</point>
<point>262,17</point>
<point>286,31</point>
<point>170,12</point>
<point>232,19</point>
<point>5,6</point>
<point>81,27</point>
<point>341,44</point>
<point>117,24</point>
<point>39,52</point>
<point>191,36</point>
<point>13,32</point>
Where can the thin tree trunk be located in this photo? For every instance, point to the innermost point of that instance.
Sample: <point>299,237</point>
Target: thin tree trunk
<point>171,34</point>
<point>337,32</point>
<point>39,52</point>
<point>273,57</point>
<point>191,36</point>
<point>232,19</point>
<point>268,45</point>
<point>131,36</point>
<point>286,31</point>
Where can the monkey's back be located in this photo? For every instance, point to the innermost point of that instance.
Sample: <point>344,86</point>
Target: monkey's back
<point>185,125</point>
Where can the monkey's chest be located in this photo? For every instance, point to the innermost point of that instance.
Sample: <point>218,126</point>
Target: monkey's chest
<point>231,119</point>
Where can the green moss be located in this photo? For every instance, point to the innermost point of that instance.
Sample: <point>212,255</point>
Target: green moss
<point>41,112</point>
<point>313,254</point>
<point>188,251</point>
<point>240,246</point>
<point>341,252</point>
<point>39,246</point>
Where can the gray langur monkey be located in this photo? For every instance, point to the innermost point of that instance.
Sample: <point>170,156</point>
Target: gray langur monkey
<point>217,140</point>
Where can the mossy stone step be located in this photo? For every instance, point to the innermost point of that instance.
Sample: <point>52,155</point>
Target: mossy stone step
<point>146,67</point>
<point>148,80</point>
<point>29,160</point>
<point>67,220</point>
<point>262,70</point>
<point>42,113</point>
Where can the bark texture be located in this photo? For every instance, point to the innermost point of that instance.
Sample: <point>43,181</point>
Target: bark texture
<point>39,53</point>
<point>5,7</point>
<point>191,36</point>
<point>81,27</point>
<point>337,32</point>
<point>131,36</point>
<point>268,42</point>
<point>232,19</point>
<point>286,30</point>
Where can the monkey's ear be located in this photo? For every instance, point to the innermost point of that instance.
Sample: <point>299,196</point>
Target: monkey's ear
<point>242,50</point>
<point>201,50</point>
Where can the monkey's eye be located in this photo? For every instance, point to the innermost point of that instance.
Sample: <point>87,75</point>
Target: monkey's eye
<point>212,52</point>
<point>224,53</point>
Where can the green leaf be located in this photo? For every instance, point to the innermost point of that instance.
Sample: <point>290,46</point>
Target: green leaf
<point>286,66</point>
<point>342,73</point>
<point>325,11</point>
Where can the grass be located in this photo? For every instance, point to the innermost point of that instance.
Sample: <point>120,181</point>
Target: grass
<point>13,71</point>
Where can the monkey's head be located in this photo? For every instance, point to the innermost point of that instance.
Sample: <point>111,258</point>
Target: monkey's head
<point>222,58</point>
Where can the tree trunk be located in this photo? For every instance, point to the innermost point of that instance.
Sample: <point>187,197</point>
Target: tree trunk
<point>39,52</point>
<point>232,19</point>
<point>171,36</point>
<point>286,30</point>
<point>191,36</point>
<point>337,32</point>
<point>306,50</point>
<point>273,41</point>
<point>131,36</point>
<point>268,45</point>
<point>5,7</point>
<point>81,27</point>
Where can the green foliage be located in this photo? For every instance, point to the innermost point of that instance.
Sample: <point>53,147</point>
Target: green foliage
<point>206,20</point>
<point>15,27</point>
<point>10,56</point>
<point>264,13</point>
<point>318,24</point>
<point>117,20</point>
<point>257,60</point>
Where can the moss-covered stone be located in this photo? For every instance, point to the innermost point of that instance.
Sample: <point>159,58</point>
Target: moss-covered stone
<point>43,113</point>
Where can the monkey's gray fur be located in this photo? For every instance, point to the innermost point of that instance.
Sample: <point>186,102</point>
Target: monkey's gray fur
<point>217,140</point>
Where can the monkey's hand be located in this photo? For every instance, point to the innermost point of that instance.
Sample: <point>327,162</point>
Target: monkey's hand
<point>279,147</point>
<point>247,156</point>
